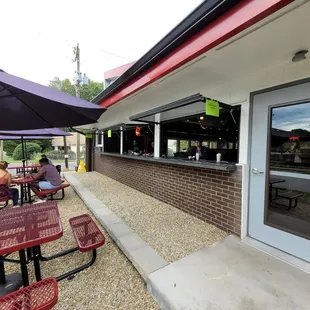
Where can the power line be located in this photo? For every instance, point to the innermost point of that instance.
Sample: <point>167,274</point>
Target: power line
<point>116,55</point>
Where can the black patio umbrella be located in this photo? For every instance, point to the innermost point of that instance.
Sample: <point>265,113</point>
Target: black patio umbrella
<point>28,105</point>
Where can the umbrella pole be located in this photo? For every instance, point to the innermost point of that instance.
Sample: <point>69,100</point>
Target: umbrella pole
<point>23,155</point>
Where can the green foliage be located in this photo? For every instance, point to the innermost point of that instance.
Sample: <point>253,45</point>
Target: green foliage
<point>10,145</point>
<point>87,92</point>
<point>31,149</point>
<point>63,85</point>
<point>183,145</point>
<point>58,154</point>
<point>46,145</point>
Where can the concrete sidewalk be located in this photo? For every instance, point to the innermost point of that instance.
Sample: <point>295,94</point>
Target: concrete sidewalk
<point>230,276</point>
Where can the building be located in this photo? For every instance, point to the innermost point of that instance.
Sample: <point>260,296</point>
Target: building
<point>58,143</point>
<point>112,75</point>
<point>236,75</point>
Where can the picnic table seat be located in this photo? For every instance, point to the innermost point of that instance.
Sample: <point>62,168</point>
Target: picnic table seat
<point>87,234</point>
<point>53,191</point>
<point>291,197</point>
<point>42,295</point>
<point>4,201</point>
<point>88,238</point>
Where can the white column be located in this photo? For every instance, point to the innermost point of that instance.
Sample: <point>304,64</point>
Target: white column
<point>157,137</point>
<point>102,137</point>
<point>244,133</point>
<point>121,141</point>
<point>244,141</point>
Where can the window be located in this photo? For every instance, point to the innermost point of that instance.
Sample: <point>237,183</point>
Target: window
<point>172,147</point>
<point>213,145</point>
<point>288,204</point>
<point>99,139</point>
<point>184,145</point>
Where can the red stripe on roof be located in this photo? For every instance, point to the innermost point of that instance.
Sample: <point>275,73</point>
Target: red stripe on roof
<point>241,17</point>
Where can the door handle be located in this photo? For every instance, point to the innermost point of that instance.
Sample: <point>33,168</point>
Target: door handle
<point>256,171</point>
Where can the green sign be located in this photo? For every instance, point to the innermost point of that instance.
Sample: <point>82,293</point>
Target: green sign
<point>212,108</point>
<point>109,133</point>
<point>88,136</point>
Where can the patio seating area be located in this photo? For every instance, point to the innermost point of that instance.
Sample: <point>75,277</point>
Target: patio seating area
<point>172,233</point>
<point>117,285</point>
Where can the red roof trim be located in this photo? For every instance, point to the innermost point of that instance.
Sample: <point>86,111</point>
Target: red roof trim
<point>118,71</point>
<point>241,17</point>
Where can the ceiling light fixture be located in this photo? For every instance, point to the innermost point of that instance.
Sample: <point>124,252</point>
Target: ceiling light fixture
<point>299,56</point>
<point>201,117</point>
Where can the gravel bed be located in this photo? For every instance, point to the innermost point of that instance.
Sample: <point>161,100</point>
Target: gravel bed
<point>171,232</point>
<point>111,283</point>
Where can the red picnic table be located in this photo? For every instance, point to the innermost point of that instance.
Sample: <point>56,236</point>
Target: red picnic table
<point>23,228</point>
<point>25,192</point>
<point>28,168</point>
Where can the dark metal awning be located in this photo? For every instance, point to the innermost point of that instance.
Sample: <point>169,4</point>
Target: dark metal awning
<point>188,106</point>
<point>125,127</point>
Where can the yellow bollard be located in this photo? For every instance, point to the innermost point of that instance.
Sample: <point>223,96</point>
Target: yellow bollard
<point>82,167</point>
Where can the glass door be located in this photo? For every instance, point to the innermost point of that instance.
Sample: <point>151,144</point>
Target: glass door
<point>279,205</point>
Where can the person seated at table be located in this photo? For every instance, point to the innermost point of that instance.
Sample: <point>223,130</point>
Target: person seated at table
<point>6,166</point>
<point>201,150</point>
<point>135,147</point>
<point>51,179</point>
<point>5,182</point>
<point>49,161</point>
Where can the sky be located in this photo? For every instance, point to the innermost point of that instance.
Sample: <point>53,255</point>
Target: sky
<point>38,36</point>
<point>292,117</point>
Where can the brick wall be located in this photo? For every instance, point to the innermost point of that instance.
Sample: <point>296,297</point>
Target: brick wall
<point>210,195</point>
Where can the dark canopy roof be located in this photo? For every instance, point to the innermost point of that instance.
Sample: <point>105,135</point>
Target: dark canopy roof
<point>25,138</point>
<point>28,105</point>
<point>35,132</point>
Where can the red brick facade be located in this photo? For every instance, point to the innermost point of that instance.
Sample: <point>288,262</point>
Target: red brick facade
<point>210,195</point>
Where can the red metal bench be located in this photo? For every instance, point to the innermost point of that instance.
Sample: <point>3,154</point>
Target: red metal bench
<point>87,234</point>
<point>4,201</point>
<point>52,192</point>
<point>88,237</point>
<point>41,295</point>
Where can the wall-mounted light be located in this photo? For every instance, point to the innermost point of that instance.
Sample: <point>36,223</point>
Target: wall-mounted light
<point>201,117</point>
<point>299,56</point>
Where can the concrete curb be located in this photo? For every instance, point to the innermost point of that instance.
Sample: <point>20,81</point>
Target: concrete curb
<point>145,259</point>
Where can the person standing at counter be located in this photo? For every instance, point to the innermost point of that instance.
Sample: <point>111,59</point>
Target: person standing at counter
<point>198,149</point>
<point>150,149</point>
<point>135,147</point>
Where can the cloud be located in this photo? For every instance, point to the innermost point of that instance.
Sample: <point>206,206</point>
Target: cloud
<point>291,117</point>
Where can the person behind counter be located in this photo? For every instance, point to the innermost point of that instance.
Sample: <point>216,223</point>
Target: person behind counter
<point>150,149</point>
<point>198,149</point>
<point>135,147</point>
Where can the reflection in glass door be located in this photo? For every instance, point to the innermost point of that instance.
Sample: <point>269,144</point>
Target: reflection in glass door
<point>289,167</point>
<point>279,202</point>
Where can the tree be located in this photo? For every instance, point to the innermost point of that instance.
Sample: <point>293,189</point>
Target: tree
<point>31,149</point>
<point>10,145</point>
<point>87,92</point>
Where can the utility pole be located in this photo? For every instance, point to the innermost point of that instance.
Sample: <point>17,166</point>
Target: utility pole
<point>76,51</point>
